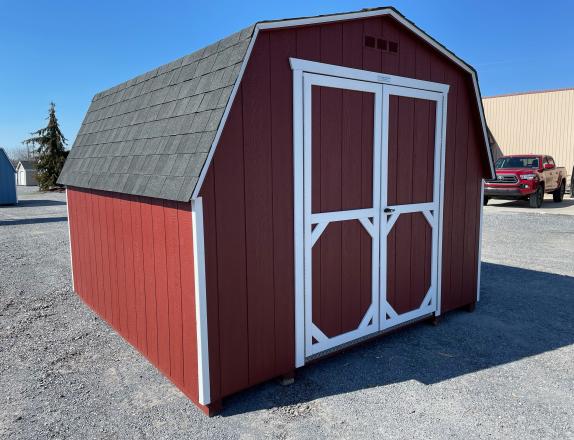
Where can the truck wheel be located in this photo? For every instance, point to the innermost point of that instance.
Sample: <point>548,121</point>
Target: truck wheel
<point>558,194</point>
<point>485,200</point>
<point>536,198</point>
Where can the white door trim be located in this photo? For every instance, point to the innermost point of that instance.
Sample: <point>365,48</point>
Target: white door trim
<point>301,118</point>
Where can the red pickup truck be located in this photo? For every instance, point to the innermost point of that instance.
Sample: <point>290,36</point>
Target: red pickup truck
<point>527,177</point>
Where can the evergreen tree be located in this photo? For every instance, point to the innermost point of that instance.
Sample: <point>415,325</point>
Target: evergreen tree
<point>51,151</point>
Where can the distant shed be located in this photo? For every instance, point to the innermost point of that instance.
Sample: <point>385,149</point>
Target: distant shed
<point>26,173</point>
<point>296,187</point>
<point>7,180</point>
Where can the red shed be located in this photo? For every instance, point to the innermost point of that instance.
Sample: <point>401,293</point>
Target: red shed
<point>297,187</point>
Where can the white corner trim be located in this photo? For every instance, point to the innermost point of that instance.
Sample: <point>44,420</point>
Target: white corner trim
<point>204,391</point>
<point>481,207</point>
<point>334,18</point>
<point>70,241</point>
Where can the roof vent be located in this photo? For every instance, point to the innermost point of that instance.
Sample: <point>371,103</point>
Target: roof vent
<point>370,41</point>
<point>381,44</point>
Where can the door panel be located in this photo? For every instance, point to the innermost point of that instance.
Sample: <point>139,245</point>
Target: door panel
<point>342,277</point>
<point>341,157</point>
<point>411,150</point>
<point>411,159</point>
<point>342,149</point>
<point>409,258</point>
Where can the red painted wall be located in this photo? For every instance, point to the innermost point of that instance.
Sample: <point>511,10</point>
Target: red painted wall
<point>132,260</point>
<point>248,193</point>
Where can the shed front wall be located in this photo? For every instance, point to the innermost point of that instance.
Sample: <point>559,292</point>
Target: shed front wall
<point>248,193</point>
<point>132,262</point>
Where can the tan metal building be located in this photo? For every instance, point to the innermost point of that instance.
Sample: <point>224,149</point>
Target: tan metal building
<point>534,122</point>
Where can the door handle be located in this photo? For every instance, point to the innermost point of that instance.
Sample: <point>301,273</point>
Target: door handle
<point>388,210</point>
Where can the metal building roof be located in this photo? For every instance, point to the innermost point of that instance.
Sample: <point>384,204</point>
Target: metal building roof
<point>150,136</point>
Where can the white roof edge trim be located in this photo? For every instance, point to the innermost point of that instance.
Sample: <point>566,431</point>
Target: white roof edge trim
<point>328,19</point>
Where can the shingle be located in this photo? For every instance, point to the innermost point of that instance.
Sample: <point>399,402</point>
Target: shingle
<point>195,56</point>
<point>224,97</point>
<point>205,66</point>
<point>210,50</point>
<point>210,100</point>
<point>180,163</point>
<point>186,123</point>
<point>193,104</point>
<point>189,143</point>
<point>188,88</point>
<point>200,121</point>
<point>171,187</point>
<point>206,141</point>
<point>154,186</point>
<point>214,119</point>
<point>187,72</point>
<point>166,109</point>
<point>130,182</point>
<point>187,188</point>
<point>223,58</point>
<point>164,165</point>
<point>140,184</point>
<point>150,163</point>
<point>181,106</point>
<point>195,164</point>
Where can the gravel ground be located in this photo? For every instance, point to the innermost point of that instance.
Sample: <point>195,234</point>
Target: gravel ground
<point>505,371</point>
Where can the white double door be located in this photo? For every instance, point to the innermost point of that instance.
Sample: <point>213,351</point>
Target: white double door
<point>371,188</point>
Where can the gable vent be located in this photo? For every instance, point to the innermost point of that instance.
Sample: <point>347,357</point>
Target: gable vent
<point>381,44</point>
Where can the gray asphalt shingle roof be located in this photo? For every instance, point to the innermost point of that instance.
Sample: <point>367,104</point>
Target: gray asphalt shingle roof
<point>150,136</point>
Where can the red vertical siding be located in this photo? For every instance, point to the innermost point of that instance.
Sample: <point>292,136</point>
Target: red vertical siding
<point>248,193</point>
<point>135,263</point>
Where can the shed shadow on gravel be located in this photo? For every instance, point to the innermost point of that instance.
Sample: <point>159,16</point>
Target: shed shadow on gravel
<point>29,221</point>
<point>24,203</point>
<point>521,313</point>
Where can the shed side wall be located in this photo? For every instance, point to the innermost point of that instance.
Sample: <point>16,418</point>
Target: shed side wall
<point>133,265</point>
<point>248,193</point>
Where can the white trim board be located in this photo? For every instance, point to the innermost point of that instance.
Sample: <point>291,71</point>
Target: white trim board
<point>204,390</point>
<point>334,18</point>
<point>70,240</point>
<point>481,207</point>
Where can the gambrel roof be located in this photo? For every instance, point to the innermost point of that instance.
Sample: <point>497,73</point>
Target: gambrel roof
<point>155,135</point>
<point>150,136</point>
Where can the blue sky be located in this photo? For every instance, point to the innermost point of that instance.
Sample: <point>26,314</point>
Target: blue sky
<point>66,51</point>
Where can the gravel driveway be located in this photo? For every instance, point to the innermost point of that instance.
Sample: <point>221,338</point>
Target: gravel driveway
<point>505,371</point>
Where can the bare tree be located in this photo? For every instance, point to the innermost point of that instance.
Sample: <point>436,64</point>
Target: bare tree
<point>16,154</point>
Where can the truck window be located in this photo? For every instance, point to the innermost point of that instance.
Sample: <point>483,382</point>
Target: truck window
<point>517,162</point>
<point>551,161</point>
